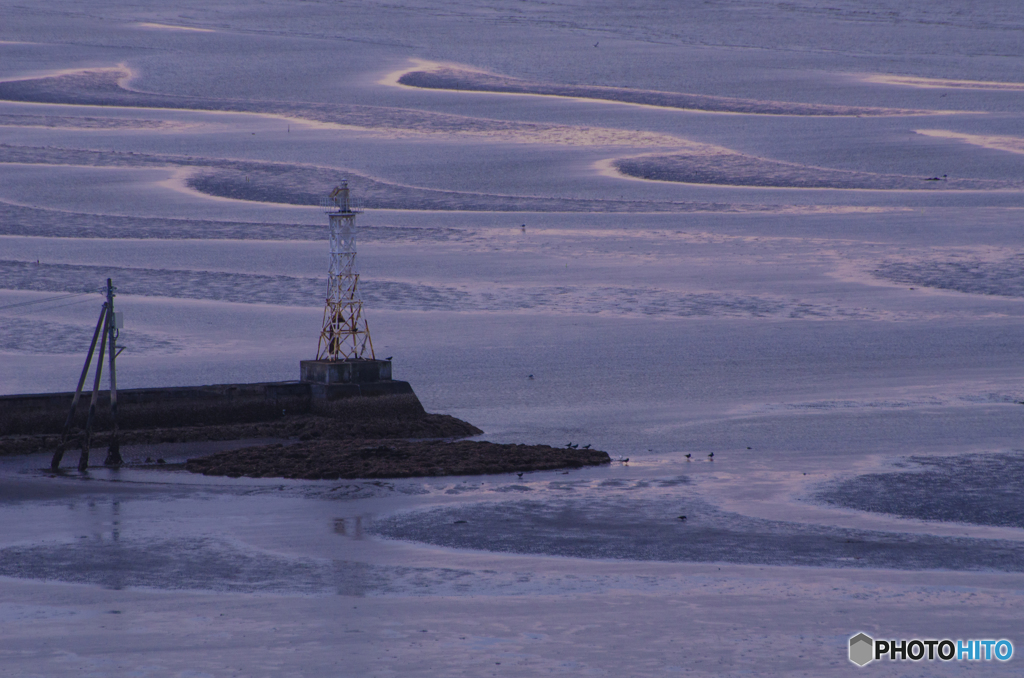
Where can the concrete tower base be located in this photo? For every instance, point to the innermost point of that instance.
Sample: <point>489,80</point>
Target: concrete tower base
<point>336,379</point>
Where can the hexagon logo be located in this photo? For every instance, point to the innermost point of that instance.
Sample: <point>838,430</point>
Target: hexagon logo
<point>862,649</point>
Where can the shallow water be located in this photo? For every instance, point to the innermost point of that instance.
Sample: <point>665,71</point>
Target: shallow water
<point>794,296</point>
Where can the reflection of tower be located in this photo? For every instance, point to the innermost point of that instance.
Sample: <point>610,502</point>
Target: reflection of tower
<point>345,335</point>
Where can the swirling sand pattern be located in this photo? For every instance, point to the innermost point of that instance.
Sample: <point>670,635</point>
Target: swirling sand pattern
<point>107,87</point>
<point>82,122</point>
<point>48,223</point>
<point>293,184</point>
<point>970,274</point>
<point>736,169</point>
<point>982,489</point>
<point>466,80</point>
<point>647,301</point>
<point>45,337</point>
<point>618,526</point>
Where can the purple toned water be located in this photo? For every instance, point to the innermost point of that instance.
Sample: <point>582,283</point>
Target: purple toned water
<point>830,304</point>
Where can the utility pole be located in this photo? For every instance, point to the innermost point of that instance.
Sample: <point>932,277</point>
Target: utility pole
<point>83,461</point>
<point>113,330</point>
<point>59,453</point>
<point>106,333</point>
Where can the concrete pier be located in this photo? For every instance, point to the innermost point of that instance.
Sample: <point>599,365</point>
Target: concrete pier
<point>44,413</point>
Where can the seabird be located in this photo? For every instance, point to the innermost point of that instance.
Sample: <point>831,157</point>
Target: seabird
<point>520,475</point>
<point>388,358</point>
<point>711,455</point>
<point>568,446</point>
<point>530,377</point>
<point>682,517</point>
<point>688,455</point>
<point>587,446</point>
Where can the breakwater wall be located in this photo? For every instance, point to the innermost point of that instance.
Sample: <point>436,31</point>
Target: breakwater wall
<point>172,407</point>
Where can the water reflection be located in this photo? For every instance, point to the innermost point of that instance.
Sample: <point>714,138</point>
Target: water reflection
<point>351,526</point>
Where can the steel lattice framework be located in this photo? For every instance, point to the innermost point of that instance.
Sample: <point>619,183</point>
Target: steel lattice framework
<point>345,335</point>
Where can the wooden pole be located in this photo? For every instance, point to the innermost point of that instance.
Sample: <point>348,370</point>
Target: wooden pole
<point>83,461</point>
<point>59,453</point>
<point>114,451</point>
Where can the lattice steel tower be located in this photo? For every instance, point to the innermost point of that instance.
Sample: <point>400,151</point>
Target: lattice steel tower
<point>345,335</point>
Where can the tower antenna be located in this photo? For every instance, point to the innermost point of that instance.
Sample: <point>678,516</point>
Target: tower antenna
<point>345,334</point>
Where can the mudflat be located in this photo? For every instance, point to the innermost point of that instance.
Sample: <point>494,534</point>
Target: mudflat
<point>333,459</point>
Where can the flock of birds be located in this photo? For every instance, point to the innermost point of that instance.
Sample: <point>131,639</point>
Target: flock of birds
<point>575,446</point>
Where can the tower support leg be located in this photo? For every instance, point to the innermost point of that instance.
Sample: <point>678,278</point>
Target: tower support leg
<point>83,461</point>
<point>59,452</point>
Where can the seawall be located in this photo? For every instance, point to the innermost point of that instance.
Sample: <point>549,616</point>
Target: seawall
<point>168,407</point>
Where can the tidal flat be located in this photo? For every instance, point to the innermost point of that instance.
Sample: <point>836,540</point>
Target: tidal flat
<point>767,253</point>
